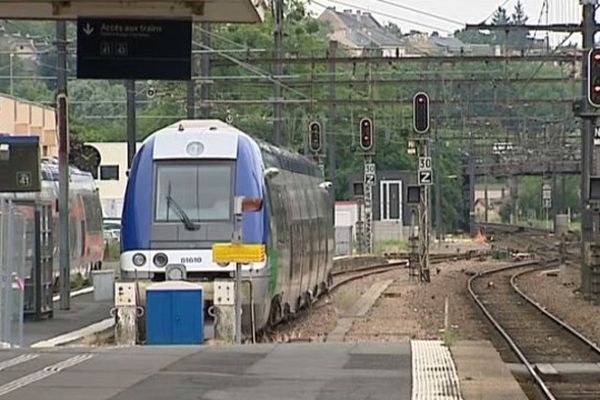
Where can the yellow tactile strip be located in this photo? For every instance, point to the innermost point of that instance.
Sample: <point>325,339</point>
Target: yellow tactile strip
<point>434,374</point>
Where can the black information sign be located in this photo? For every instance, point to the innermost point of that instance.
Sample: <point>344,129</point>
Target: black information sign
<point>20,164</point>
<point>134,49</point>
<point>413,194</point>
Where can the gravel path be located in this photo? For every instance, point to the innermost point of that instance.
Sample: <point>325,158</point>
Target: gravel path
<point>563,298</point>
<point>405,310</point>
<point>416,311</point>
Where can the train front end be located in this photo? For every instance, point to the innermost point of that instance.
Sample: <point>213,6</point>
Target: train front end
<point>179,202</point>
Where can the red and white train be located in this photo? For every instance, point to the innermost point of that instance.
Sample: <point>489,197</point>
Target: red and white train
<point>85,217</point>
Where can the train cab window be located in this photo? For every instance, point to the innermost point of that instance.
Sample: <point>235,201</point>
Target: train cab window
<point>202,191</point>
<point>109,172</point>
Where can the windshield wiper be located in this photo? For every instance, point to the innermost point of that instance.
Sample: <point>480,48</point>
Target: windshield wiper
<point>187,222</point>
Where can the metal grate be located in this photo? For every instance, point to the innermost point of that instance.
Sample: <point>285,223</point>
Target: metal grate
<point>434,375</point>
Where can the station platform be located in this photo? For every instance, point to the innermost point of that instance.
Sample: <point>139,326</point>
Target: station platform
<point>84,312</point>
<point>327,371</point>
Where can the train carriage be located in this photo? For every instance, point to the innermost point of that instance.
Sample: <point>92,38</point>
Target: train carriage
<point>85,222</point>
<point>179,202</point>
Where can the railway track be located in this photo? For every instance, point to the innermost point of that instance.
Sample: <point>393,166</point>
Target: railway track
<point>401,260</point>
<point>341,278</point>
<point>507,228</point>
<point>541,341</point>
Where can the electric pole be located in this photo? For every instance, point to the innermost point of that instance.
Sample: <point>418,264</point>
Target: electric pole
<point>190,103</point>
<point>205,72</point>
<point>587,145</point>
<point>421,127</point>
<point>63,165</point>
<point>438,189</point>
<point>330,131</point>
<point>367,143</point>
<point>131,136</point>
<point>278,71</point>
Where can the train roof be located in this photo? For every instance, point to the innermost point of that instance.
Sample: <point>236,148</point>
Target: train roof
<point>277,157</point>
<point>49,170</point>
<point>273,156</point>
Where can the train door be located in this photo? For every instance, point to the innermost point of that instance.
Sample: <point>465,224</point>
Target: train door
<point>314,237</point>
<point>296,244</point>
<point>76,234</point>
<point>278,251</point>
<point>322,236</point>
<point>283,216</point>
<point>307,234</point>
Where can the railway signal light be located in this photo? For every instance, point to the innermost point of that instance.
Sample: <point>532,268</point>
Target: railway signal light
<point>421,112</point>
<point>366,134</point>
<point>315,137</point>
<point>594,77</point>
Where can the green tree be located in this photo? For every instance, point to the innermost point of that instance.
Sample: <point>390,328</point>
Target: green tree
<point>393,29</point>
<point>518,37</point>
<point>500,17</point>
<point>519,17</point>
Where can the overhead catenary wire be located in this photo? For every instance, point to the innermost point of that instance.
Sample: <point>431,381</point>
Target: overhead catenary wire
<point>428,14</point>
<point>252,69</point>
<point>382,14</point>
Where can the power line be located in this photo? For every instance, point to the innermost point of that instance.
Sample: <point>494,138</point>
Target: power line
<point>394,17</point>
<point>441,18</point>
<point>223,38</point>
<point>252,69</point>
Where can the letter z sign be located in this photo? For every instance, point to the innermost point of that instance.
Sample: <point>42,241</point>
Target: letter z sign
<point>425,178</point>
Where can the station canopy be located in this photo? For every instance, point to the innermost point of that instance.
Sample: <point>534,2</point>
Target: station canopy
<point>249,11</point>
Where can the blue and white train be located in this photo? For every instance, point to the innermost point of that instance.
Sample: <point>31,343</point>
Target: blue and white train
<point>179,201</point>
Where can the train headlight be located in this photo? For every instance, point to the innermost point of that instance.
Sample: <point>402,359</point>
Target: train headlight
<point>194,149</point>
<point>139,259</point>
<point>160,260</point>
<point>176,272</point>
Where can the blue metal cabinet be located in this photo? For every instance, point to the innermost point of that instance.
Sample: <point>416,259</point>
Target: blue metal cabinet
<point>174,313</point>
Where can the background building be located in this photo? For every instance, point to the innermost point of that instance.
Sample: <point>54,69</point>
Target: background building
<point>111,176</point>
<point>21,117</point>
<point>391,215</point>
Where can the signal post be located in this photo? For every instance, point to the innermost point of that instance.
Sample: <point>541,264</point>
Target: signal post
<point>590,168</point>
<point>367,144</point>
<point>424,178</point>
<point>315,142</point>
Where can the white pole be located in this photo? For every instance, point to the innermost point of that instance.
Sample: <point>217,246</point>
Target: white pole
<point>11,75</point>
<point>237,238</point>
<point>446,315</point>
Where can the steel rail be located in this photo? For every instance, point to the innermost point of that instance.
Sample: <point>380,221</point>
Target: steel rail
<point>366,271</point>
<point>538,379</point>
<point>548,314</point>
<point>562,324</point>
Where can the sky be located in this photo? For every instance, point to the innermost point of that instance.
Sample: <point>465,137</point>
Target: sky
<point>460,11</point>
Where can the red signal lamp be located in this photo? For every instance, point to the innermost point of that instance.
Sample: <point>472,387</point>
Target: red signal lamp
<point>366,134</point>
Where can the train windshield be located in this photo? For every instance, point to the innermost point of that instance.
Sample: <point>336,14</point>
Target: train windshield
<point>193,192</point>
